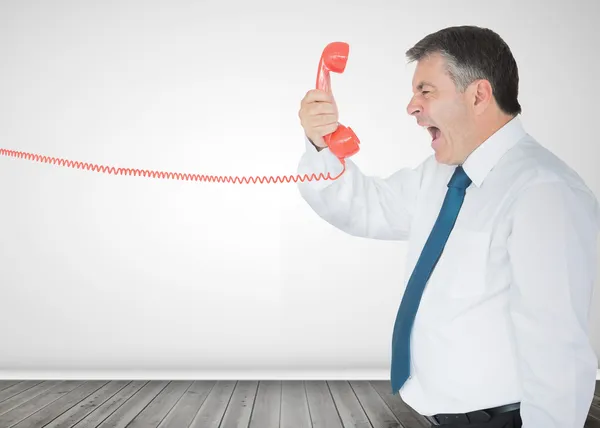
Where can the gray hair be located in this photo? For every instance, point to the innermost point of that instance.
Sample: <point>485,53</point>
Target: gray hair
<point>472,53</point>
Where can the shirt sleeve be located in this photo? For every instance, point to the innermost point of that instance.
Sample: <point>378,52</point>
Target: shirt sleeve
<point>553,254</point>
<point>360,205</point>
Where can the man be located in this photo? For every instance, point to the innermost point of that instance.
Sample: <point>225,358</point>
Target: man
<point>503,233</point>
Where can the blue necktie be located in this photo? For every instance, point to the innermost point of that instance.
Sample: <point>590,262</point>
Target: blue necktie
<point>416,284</point>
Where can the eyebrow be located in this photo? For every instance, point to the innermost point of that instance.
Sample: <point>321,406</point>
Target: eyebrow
<point>424,83</point>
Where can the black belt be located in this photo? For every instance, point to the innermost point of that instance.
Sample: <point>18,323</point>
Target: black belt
<point>477,416</point>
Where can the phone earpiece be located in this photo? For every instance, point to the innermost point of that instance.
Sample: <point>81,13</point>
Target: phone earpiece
<point>343,142</point>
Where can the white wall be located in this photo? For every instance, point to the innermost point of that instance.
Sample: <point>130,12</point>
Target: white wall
<point>140,275</point>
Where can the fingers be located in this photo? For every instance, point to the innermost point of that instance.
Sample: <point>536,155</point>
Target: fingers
<point>309,109</point>
<point>318,115</point>
<point>310,121</point>
<point>317,95</point>
<point>322,120</point>
<point>324,107</point>
<point>326,129</point>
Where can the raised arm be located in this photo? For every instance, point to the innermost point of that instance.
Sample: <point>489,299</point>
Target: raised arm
<point>360,205</point>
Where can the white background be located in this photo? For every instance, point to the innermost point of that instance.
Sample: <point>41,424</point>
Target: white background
<point>114,274</point>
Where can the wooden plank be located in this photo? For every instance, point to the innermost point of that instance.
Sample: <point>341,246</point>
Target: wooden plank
<point>209,404</point>
<point>322,408</point>
<point>591,422</point>
<point>87,406</point>
<point>64,403</point>
<point>595,411</point>
<point>37,403</point>
<point>377,411</point>
<point>212,410</point>
<point>240,407</point>
<point>155,412</point>
<point>294,405</point>
<point>17,388</point>
<point>403,412</point>
<point>7,383</point>
<point>182,414</point>
<point>348,406</point>
<point>27,395</point>
<point>111,405</point>
<point>134,405</point>
<point>267,406</point>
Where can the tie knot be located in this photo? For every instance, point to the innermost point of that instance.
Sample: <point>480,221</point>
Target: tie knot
<point>459,179</point>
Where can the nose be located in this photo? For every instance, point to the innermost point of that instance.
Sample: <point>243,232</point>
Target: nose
<point>413,108</point>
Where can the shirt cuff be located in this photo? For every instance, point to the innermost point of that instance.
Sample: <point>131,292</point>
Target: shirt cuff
<point>316,165</point>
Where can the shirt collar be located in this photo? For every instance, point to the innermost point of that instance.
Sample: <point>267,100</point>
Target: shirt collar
<point>481,161</point>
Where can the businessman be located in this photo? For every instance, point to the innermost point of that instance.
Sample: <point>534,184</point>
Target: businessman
<point>492,327</point>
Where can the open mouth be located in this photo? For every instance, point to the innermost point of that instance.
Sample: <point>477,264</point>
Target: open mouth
<point>434,131</point>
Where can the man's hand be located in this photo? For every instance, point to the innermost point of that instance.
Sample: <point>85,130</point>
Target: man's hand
<point>318,116</point>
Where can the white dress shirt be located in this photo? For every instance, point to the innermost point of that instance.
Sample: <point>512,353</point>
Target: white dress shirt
<point>504,316</point>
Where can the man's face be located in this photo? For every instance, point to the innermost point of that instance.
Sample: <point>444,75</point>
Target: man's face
<point>439,106</point>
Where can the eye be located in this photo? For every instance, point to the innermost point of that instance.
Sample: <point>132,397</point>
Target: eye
<point>424,92</point>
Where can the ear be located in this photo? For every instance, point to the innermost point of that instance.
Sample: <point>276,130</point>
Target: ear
<point>482,95</point>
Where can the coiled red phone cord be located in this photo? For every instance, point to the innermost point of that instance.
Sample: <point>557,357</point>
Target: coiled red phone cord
<point>168,175</point>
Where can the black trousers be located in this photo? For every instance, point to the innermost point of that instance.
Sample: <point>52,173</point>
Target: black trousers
<point>510,419</point>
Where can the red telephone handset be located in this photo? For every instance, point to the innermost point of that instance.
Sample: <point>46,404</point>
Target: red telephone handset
<point>343,142</point>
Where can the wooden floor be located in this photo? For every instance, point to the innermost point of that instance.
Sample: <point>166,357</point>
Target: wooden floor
<point>210,404</point>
